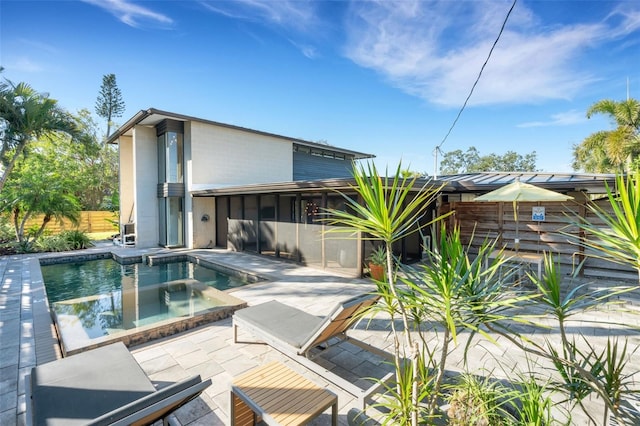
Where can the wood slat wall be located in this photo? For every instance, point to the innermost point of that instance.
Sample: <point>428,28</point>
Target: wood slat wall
<point>482,220</point>
<point>90,221</point>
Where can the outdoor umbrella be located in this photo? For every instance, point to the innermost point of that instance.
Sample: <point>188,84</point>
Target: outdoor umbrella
<point>517,191</point>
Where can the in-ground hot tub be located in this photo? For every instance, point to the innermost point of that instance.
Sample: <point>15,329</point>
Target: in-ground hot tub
<point>96,302</point>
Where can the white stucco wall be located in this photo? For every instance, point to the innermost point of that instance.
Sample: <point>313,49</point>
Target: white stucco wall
<point>127,177</point>
<point>222,156</point>
<point>204,230</point>
<point>145,156</point>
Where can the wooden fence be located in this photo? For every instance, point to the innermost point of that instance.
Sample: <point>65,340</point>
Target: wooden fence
<point>496,221</point>
<point>90,221</point>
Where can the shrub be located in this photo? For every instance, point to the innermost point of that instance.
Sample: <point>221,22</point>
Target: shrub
<point>53,243</point>
<point>65,241</point>
<point>77,239</point>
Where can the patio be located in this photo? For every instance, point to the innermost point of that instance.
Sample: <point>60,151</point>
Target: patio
<point>209,350</point>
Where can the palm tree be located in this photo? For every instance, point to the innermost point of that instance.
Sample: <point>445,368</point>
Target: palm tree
<point>27,115</point>
<point>619,148</point>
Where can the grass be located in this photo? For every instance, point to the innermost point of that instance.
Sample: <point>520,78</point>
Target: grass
<point>100,236</point>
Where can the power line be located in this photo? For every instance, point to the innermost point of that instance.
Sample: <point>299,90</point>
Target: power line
<point>464,105</point>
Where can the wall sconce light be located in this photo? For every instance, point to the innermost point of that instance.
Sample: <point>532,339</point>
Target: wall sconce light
<point>205,218</point>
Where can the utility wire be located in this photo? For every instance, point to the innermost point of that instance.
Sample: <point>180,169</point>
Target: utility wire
<point>504,24</point>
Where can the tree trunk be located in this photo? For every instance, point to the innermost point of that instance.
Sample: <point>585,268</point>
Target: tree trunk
<point>9,167</point>
<point>45,221</point>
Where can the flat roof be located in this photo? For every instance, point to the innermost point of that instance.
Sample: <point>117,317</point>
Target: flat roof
<point>488,181</point>
<point>152,116</point>
<point>462,183</point>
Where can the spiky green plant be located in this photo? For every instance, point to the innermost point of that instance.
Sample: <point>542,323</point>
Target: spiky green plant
<point>456,291</point>
<point>477,401</point>
<point>387,209</point>
<point>531,401</point>
<point>617,238</point>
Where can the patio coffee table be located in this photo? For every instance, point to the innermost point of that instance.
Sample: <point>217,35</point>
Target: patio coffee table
<point>279,396</point>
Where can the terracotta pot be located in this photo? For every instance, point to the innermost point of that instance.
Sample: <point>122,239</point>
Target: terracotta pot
<point>377,272</point>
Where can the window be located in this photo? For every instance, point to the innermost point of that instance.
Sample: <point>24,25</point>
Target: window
<point>170,183</point>
<point>170,158</point>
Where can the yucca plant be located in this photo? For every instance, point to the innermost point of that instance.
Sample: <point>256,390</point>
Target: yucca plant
<point>456,291</point>
<point>478,401</point>
<point>581,373</point>
<point>531,402</point>
<point>387,209</point>
<point>617,239</point>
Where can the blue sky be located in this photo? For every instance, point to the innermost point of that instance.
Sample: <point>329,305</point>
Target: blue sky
<point>382,77</point>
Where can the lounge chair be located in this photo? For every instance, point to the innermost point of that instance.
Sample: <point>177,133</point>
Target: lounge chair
<point>103,386</point>
<point>298,334</point>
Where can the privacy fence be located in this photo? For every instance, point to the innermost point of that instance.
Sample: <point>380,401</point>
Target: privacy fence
<point>90,221</point>
<point>542,227</point>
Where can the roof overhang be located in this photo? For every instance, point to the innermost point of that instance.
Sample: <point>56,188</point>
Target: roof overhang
<point>309,186</point>
<point>151,117</point>
<point>475,183</point>
<point>562,182</point>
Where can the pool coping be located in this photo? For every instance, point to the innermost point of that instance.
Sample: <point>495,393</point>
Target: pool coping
<point>49,344</point>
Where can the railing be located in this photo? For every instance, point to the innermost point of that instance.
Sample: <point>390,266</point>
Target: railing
<point>308,244</point>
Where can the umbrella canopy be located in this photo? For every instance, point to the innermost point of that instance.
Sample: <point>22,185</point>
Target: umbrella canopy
<point>518,191</point>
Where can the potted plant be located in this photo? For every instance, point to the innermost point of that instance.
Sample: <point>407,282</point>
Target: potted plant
<point>377,263</point>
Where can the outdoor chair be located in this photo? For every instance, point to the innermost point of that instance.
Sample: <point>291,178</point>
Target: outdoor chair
<point>300,335</point>
<point>103,386</point>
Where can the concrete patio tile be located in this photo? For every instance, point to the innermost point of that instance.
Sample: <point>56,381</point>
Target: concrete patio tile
<point>8,417</point>
<point>237,366</point>
<point>10,330</point>
<point>167,376</point>
<point>158,364</point>
<point>225,354</point>
<point>255,350</point>
<point>192,359</point>
<point>206,369</point>
<point>10,354</point>
<point>22,374</point>
<point>346,360</point>
<point>27,355</point>
<point>194,410</point>
<point>22,403</point>
<point>212,418</point>
<point>179,347</point>
<point>204,334</point>
<point>8,378</point>
<point>213,344</point>
<point>148,352</point>
<point>8,401</point>
<point>220,385</point>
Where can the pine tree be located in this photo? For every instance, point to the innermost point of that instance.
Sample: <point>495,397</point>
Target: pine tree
<point>109,103</point>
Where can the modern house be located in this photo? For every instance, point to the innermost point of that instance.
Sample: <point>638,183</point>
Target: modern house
<point>165,158</point>
<point>195,183</point>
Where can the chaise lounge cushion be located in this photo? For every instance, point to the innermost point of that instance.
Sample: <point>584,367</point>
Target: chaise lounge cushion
<point>286,323</point>
<point>102,386</point>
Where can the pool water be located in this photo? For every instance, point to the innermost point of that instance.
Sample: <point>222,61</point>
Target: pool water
<point>98,298</point>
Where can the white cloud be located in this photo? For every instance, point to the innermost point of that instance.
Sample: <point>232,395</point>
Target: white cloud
<point>561,119</point>
<point>24,64</point>
<point>435,50</point>
<point>296,17</point>
<point>296,14</point>
<point>131,14</point>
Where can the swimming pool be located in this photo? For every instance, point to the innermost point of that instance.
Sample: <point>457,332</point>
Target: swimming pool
<point>96,302</point>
